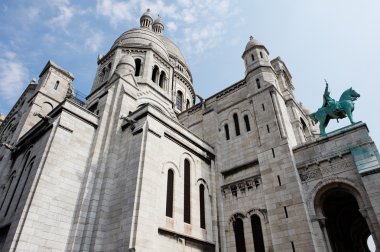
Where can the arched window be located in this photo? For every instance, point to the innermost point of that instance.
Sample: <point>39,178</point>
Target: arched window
<point>186,200</point>
<point>162,79</point>
<point>226,130</point>
<point>138,67</point>
<point>6,193</point>
<point>56,85</point>
<point>304,126</point>
<point>155,74</point>
<point>236,121</point>
<point>108,70</point>
<point>257,233</point>
<point>18,181</point>
<point>239,235</point>
<point>246,120</point>
<point>179,100</point>
<point>258,83</point>
<point>187,104</point>
<point>102,75</point>
<point>253,57</point>
<point>170,194</point>
<point>202,205</point>
<point>29,169</point>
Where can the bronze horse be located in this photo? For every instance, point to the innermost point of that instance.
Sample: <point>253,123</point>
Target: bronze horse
<point>337,110</point>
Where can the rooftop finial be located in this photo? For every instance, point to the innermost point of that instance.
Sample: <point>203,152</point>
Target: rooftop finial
<point>250,37</point>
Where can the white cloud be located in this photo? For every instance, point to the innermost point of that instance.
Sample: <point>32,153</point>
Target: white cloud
<point>48,39</point>
<point>66,12</point>
<point>116,11</point>
<point>13,75</point>
<point>202,24</point>
<point>172,27</point>
<point>199,39</point>
<point>168,11</point>
<point>94,41</point>
<point>32,13</point>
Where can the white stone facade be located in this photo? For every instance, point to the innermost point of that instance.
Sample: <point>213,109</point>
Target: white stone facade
<point>140,167</point>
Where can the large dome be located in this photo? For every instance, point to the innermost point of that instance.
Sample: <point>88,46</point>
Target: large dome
<point>172,48</point>
<point>142,37</point>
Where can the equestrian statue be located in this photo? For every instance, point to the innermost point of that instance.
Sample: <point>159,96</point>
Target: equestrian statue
<point>332,109</point>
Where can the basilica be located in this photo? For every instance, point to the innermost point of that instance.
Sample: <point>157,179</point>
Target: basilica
<point>140,166</point>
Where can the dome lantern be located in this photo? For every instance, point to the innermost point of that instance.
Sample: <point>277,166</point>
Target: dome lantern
<point>146,20</point>
<point>158,26</point>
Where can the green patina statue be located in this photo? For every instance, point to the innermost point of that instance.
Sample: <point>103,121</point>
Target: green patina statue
<point>332,109</point>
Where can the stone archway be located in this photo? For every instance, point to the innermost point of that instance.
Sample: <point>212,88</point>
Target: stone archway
<point>346,228</point>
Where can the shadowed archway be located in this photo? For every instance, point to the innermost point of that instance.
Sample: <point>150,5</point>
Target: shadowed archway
<point>346,228</point>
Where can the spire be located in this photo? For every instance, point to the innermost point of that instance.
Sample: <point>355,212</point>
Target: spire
<point>158,26</point>
<point>146,20</point>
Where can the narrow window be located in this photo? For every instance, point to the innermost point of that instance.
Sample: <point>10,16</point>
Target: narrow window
<point>236,121</point>
<point>257,232</point>
<point>56,85</point>
<point>6,193</point>
<point>202,205</point>
<point>263,106</point>
<point>304,127</point>
<point>258,83</point>
<point>155,74</point>
<point>239,235</point>
<point>253,57</point>
<point>286,212</point>
<point>273,154</point>
<point>227,132</point>
<point>17,182</point>
<point>179,100</point>
<point>169,194</point>
<point>162,79</point>
<point>187,104</point>
<point>186,205</point>
<point>138,67</point>
<point>268,128</point>
<point>30,166</point>
<point>279,180</point>
<point>246,120</point>
<point>293,248</point>
<point>261,55</point>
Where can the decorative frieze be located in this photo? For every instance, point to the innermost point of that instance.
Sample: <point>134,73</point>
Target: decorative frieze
<point>319,170</point>
<point>241,186</point>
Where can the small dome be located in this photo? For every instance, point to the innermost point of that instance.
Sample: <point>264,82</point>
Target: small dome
<point>146,19</point>
<point>158,26</point>
<point>127,59</point>
<point>126,65</point>
<point>307,112</point>
<point>252,43</point>
<point>158,20</point>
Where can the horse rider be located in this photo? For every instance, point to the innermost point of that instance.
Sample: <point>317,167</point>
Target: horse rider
<point>327,100</point>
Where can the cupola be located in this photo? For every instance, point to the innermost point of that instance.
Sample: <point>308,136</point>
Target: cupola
<point>255,55</point>
<point>146,20</point>
<point>158,26</point>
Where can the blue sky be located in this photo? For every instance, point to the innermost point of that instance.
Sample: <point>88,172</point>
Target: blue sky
<point>337,40</point>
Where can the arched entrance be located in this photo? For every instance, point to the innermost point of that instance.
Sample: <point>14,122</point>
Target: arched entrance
<point>347,230</point>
